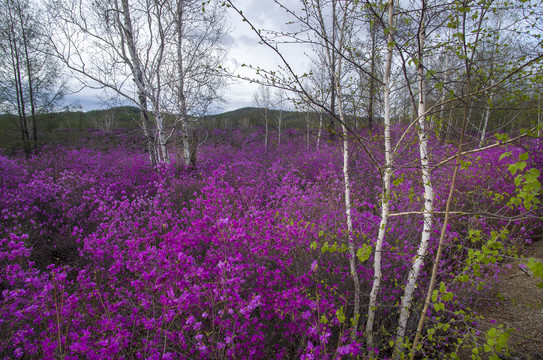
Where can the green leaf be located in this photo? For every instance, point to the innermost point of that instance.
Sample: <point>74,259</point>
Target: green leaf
<point>505,154</point>
<point>524,156</point>
<point>399,180</point>
<point>448,296</point>
<point>364,253</point>
<point>492,333</point>
<point>513,168</point>
<point>323,319</point>
<point>324,247</point>
<point>534,172</point>
<point>340,315</point>
<point>537,269</point>
<point>355,319</point>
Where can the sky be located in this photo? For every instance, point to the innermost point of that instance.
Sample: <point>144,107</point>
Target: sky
<point>244,49</point>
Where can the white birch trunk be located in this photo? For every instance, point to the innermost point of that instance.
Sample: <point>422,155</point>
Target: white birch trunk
<point>280,120</point>
<point>539,119</point>
<point>307,132</point>
<point>442,100</point>
<point>428,198</point>
<point>335,67</point>
<point>161,139</point>
<point>348,213</point>
<point>279,133</point>
<point>319,134</point>
<point>137,72</point>
<point>186,145</point>
<point>486,119</point>
<point>266,135</point>
<point>181,99</point>
<point>385,197</point>
<point>348,204</point>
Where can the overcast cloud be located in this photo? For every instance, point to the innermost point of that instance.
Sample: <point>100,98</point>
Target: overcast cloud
<point>244,49</point>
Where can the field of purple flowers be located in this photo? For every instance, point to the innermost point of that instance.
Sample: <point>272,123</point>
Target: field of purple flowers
<point>104,257</point>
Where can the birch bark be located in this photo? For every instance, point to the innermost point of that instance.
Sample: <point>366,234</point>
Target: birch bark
<point>347,184</point>
<point>428,194</point>
<point>387,174</point>
<point>181,100</point>
<point>488,111</point>
<point>332,46</point>
<point>319,134</point>
<point>136,68</point>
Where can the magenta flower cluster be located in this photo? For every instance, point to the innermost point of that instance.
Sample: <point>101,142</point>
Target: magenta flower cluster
<point>104,257</point>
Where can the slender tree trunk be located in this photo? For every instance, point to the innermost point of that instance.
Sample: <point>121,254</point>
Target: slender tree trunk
<point>16,64</point>
<point>30,77</point>
<point>348,213</point>
<point>333,60</point>
<point>185,141</point>
<point>146,126</point>
<point>488,110</point>
<point>336,60</point>
<point>385,197</point>
<point>18,93</point>
<point>445,223</point>
<point>279,126</point>
<point>162,148</point>
<point>539,119</point>
<point>443,128</point>
<point>372,77</point>
<point>468,61</point>
<point>182,102</point>
<point>319,134</point>
<point>137,72</point>
<point>307,119</point>
<point>193,148</point>
<point>449,126</point>
<point>266,121</point>
<point>428,195</point>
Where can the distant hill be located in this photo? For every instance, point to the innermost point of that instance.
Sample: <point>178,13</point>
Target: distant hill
<point>250,117</point>
<point>69,127</point>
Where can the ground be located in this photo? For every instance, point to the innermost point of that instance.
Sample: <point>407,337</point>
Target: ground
<point>519,306</point>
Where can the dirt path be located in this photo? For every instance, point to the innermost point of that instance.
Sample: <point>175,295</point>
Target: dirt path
<point>518,305</point>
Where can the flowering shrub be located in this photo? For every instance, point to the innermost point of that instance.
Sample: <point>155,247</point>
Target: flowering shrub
<point>103,257</point>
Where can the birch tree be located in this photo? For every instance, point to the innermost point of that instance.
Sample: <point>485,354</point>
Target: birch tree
<point>318,89</point>
<point>262,99</point>
<point>279,106</point>
<point>386,179</point>
<point>127,62</point>
<point>408,50</point>
<point>159,56</point>
<point>12,46</point>
<point>341,27</point>
<point>199,29</point>
<point>31,80</point>
<point>426,181</point>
